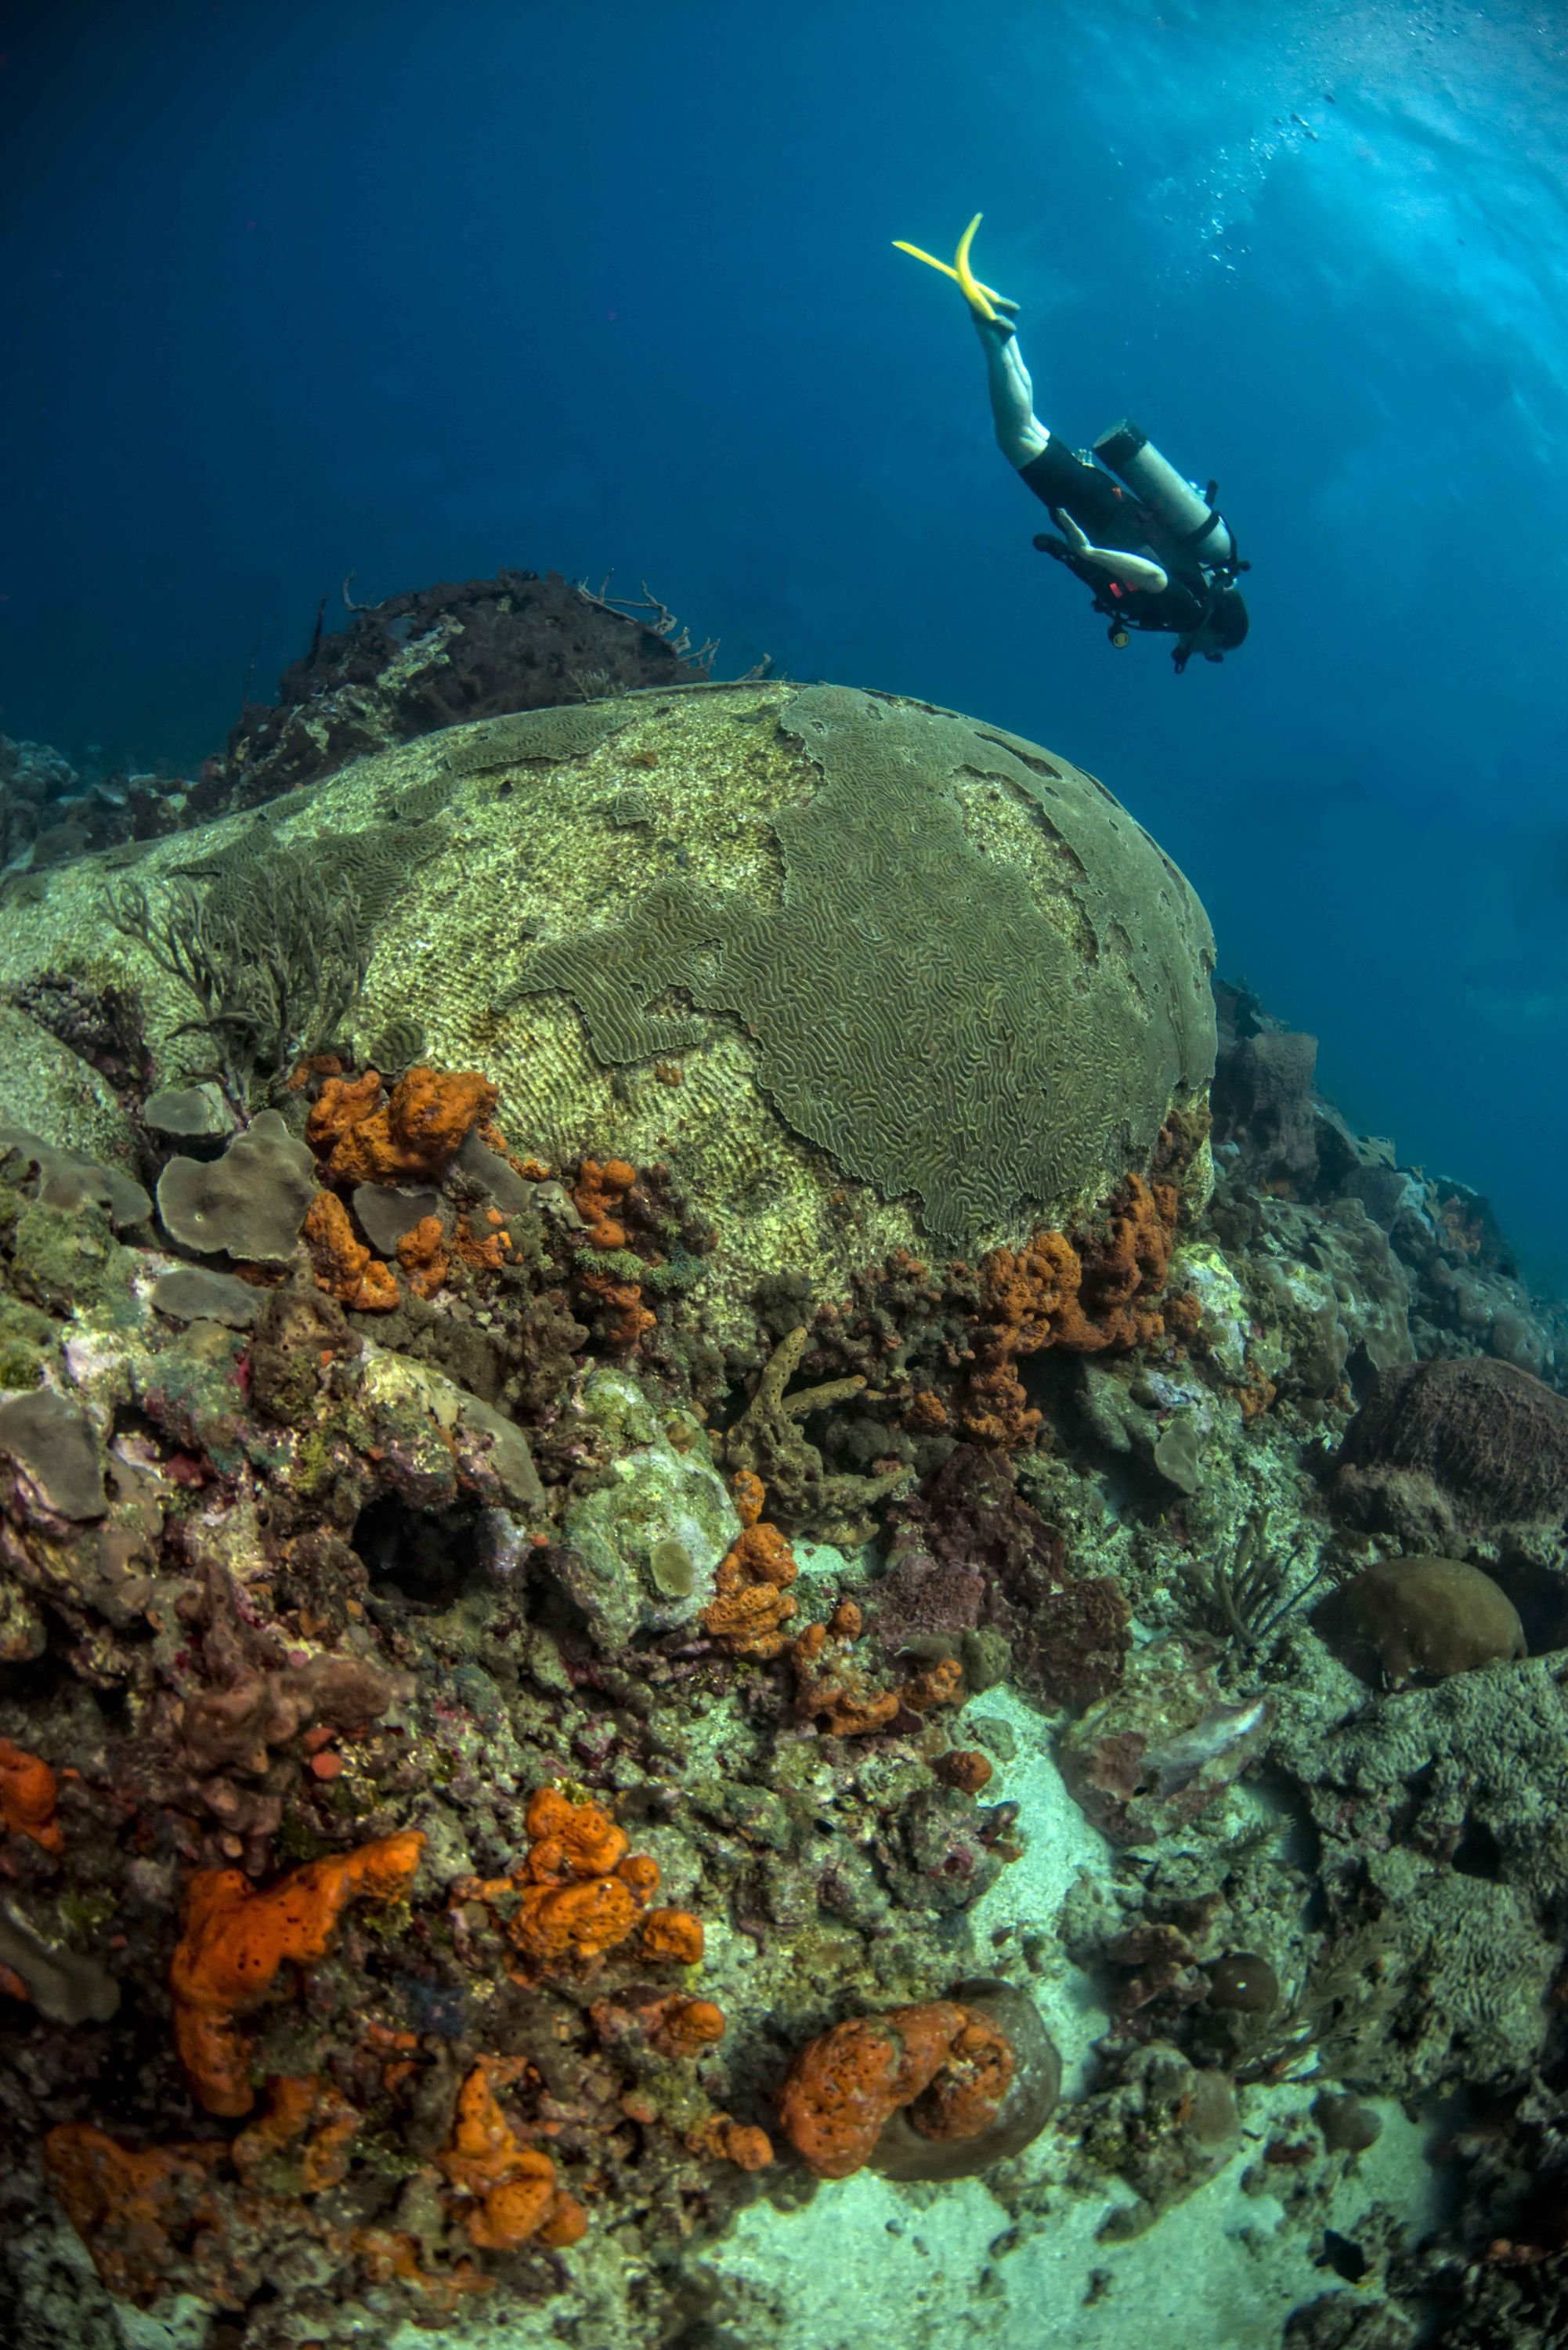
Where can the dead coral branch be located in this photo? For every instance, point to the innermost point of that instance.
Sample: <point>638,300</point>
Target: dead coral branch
<point>652,613</point>
<point>769,1441</point>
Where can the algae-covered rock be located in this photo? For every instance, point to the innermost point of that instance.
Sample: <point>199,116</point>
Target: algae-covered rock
<point>866,974</point>
<point>63,1179</point>
<point>436,1439</point>
<point>1164,2128</point>
<point>66,1258</point>
<point>27,1341</point>
<point>1332,1296</point>
<point>45,1088</point>
<point>1199,1269</point>
<point>641,1551</point>
<point>1165,1431</point>
<point>1443,1854</point>
<point>53,1444</point>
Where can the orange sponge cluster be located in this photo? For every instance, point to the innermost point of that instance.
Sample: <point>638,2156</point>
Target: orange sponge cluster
<point>515,2198</point>
<point>829,1688</point>
<point>344,1267</point>
<point>844,2087</point>
<point>136,2209</point>
<point>1101,1293</point>
<point>304,2134</point>
<point>752,1602</point>
<point>408,1137</point>
<point>728,2140</point>
<point>599,1196</point>
<point>362,1135</point>
<point>578,1891</point>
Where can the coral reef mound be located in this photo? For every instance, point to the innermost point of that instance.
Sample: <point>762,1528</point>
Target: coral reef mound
<point>859,969</point>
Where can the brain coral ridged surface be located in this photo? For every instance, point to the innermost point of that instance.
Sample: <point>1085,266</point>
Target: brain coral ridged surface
<point>936,1024</point>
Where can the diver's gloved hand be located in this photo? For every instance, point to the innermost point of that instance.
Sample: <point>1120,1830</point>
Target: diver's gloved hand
<point>1126,570</point>
<point>987,306</point>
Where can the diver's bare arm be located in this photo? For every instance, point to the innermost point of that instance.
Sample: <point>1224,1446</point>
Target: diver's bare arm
<point>1128,570</point>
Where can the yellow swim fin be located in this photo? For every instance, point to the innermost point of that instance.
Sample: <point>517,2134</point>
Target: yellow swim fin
<point>983,300</point>
<point>974,293</point>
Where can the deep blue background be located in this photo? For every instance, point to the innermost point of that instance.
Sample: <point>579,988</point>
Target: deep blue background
<point>418,291</point>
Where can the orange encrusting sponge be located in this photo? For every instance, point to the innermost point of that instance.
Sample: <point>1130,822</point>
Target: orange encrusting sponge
<point>579,1892</point>
<point>514,2185</point>
<point>234,1939</point>
<point>28,1791</point>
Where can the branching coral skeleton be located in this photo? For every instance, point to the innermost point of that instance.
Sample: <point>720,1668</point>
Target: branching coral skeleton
<point>653,614</point>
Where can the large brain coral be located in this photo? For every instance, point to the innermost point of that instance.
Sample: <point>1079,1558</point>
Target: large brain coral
<point>983,1016</point>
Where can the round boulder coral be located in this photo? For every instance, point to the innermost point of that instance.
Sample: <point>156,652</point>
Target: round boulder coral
<point>1441,1452</point>
<point>1426,1615</point>
<point>865,974</point>
<point>971,981</point>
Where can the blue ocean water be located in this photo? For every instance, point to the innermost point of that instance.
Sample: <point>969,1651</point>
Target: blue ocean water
<point>418,293</point>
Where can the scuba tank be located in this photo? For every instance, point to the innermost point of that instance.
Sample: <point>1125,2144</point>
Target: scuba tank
<point>1173,502</point>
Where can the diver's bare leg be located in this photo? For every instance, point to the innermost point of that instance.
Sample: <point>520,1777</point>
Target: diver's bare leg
<point>1019,434</point>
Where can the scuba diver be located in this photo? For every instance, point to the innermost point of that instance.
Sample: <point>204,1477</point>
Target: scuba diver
<point>1155,553</point>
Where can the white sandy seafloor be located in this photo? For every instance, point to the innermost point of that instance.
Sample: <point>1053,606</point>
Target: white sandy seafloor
<point>922,2266</point>
<point>929,2265</point>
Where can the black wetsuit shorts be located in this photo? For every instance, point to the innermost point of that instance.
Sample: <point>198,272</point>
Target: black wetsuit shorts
<point>1109,516</point>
